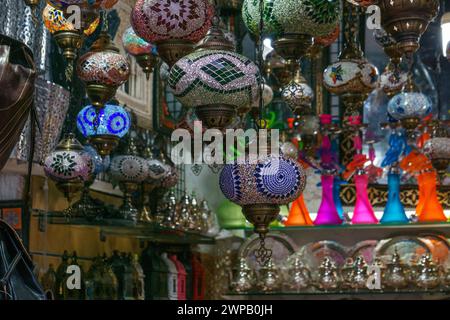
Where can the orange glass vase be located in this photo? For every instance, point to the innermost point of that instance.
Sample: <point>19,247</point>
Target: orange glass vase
<point>299,214</point>
<point>431,209</point>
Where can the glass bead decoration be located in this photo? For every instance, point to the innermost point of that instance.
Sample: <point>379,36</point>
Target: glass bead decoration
<point>409,105</point>
<point>55,21</point>
<point>135,45</point>
<point>128,168</point>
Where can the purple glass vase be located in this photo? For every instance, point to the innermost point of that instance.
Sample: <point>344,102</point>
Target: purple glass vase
<point>327,213</point>
<point>363,213</point>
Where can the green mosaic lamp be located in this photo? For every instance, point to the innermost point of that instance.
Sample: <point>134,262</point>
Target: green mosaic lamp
<point>292,23</point>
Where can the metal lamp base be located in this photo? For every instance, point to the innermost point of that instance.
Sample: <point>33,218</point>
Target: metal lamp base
<point>100,94</point>
<point>293,46</point>
<point>69,42</point>
<point>104,144</point>
<point>217,116</point>
<point>261,216</point>
<point>171,51</point>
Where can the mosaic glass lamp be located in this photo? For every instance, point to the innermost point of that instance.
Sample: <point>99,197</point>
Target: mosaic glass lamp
<point>104,128</point>
<point>261,187</point>
<point>102,69</point>
<point>144,52</point>
<point>70,166</point>
<point>69,39</point>
<point>293,23</point>
<point>216,83</point>
<point>298,94</point>
<point>173,26</point>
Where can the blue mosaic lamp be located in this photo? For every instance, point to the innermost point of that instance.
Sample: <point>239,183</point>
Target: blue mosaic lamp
<point>105,128</point>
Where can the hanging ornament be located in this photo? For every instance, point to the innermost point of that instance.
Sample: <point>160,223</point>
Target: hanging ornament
<point>69,166</point>
<point>215,39</point>
<point>261,187</point>
<point>144,53</point>
<point>438,150</point>
<point>103,69</point>
<point>293,23</point>
<point>406,21</point>
<point>173,26</point>
<point>104,128</point>
<point>69,39</point>
<point>298,94</point>
<point>216,83</point>
<point>129,171</point>
<point>409,106</point>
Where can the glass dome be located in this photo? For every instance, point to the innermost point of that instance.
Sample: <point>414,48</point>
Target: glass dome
<point>409,105</point>
<point>112,120</point>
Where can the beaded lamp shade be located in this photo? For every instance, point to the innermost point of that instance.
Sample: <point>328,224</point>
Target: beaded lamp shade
<point>112,120</point>
<point>409,105</point>
<point>55,21</point>
<point>298,94</point>
<point>214,76</point>
<point>129,168</point>
<point>159,20</point>
<point>313,17</point>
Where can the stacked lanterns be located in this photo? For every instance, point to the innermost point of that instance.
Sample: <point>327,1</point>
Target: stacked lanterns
<point>103,69</point>
<point>129,170</point>
<point>173,26</point>
<point>105,128</point>
<point>144,52</point>
<point>69,166</point>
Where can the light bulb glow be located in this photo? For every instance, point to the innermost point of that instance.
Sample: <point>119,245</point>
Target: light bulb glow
<point>445,25</point>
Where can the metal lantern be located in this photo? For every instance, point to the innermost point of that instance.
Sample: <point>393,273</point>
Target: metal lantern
<point>216,83</point>
<point>261,187</point>
<point>69,39</point>
<point>104,128</point>
<point>69,166</point>
<point>103,69</point>
<point>144,52</point>
<point>298,94</point>
<point>293,23</point>
<point>173,26</point>
<point>407,20</point>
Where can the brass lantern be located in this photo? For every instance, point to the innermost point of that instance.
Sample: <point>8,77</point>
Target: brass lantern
<point>407,20</point>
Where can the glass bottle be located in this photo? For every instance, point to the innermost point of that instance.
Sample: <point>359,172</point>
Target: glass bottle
<point>327,213</point>
<point>244,278</point>
<point>298,277</point>
<point>395,276</point>
<point>427,273</point>
<point>363,213</point>
<point>269,279</point>
<point>337,196</point>
<point>394,212</point>
<point>432,209</point>
<point>328,277</point>
<point>298,214</point>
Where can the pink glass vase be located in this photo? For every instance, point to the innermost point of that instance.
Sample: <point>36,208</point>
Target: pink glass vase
<point>363,213</point>
<point>327,214</point>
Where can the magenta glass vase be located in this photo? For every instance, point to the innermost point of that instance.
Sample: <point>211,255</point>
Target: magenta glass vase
<point>327,213</point>
<point>363,213</point>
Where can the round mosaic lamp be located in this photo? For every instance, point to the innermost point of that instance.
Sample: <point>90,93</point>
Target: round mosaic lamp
<point>70,166</point>
<point>144,52</point>
<point>69,39</point>
<point>298,94</point>
<point>216,83</point>
<point>103,69</point>
<point>438,150</point>
<point>409,106</point>
<point>293,23</point>
<point>261,187</point>
<point>406,21</point>
<point>129,171</point>
<point>173,26</point>
<point>103,128</point>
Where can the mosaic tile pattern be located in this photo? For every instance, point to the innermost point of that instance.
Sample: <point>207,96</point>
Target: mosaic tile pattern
<point>54,21</point>
<point>103,67</point>
<point>351,76</point>
<point>129,168</point>
<point>135,45</point>
<point>159,20</point>
<point>297,94</point>
<point>437,148</point>
<point>274,180</point>
<point>111,120</point>
<point>63,166</point>
<point>408,105</point>
<point>393,80</point>
<point>215,76</point>
<point>314,17</point>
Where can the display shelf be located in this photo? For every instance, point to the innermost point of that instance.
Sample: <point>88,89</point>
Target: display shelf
<point>367,231</point>
<point>367,294</point>
<point>124,228</point>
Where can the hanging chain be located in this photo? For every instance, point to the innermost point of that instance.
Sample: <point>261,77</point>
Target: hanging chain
<point>262,254</point>
<point>260,51</point>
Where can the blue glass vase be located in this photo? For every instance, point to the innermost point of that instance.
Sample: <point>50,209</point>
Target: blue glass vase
<point>394,212</point>
<point>337,197</point>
